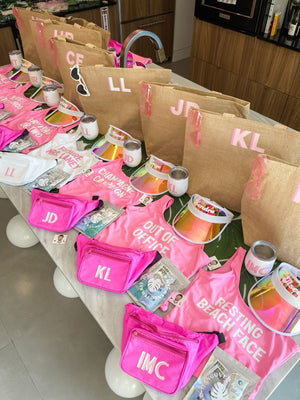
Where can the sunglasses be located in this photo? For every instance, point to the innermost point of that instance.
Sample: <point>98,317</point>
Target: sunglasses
<point>81,88</point>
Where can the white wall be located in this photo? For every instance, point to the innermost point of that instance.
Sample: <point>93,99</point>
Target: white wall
<point>183,29</point>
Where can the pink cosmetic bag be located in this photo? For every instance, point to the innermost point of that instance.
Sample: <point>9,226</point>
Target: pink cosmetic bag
<point>109,267</point>
<point>58,212</point>
<point>160,353</point>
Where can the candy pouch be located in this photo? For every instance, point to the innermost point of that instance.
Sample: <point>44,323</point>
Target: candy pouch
<point>160,353</point>
<point>57,212</point>
<point>223,377</point>
<point>110,267</point>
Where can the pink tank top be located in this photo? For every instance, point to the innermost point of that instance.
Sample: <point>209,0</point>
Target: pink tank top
<point>4,80</point>
<point>38,129</point>
<point>213,302</point>
<point>15,101</point>
<point>107,180</point>
<point>145,228</point>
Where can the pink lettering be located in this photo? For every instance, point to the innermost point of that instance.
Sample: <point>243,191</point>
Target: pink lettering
<point>179,108</point>
<point>238,138</point>
<point>10,172</point>
<point>253,143</point>
<point>296,197</point>
<point>188,105</point>
<point>74,58</point>
<point>62,33</point>
<point>111,86</point>
<point>122,86</point>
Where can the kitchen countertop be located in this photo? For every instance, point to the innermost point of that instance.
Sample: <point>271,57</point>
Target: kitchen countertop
<point>100,303</point>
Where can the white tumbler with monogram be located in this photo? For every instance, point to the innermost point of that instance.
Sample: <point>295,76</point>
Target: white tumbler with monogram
<point>178,181</point>
<point>132,152</point>
<point>51,95</point>
<point>35,75</point>
<point>260,258</point>
<point>16,57</point>
<point>89,126</point>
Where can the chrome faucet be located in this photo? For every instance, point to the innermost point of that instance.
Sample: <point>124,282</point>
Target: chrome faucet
<point>158,46</point>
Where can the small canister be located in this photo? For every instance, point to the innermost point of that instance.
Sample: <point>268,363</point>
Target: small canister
<point>16,57</point>
<point>51,95</point>
<point>132,152</point>
<point>178,181</point>
<point>260,258</point>
<point>89,126</point>
<point>35,75</point>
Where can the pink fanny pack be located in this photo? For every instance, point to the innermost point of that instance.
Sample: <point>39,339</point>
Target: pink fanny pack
<point>7,135</point>
<point>58,212</point>
<point>110,267</point>
<point>160,353</point>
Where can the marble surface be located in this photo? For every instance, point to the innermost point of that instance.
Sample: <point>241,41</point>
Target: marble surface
<point>106,307</point>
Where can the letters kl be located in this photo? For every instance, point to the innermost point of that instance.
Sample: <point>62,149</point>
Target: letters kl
<point>238,139</point>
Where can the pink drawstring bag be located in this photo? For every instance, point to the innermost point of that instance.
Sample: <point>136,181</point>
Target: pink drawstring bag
<point>109,267</point>
<point>7,135</point>
<point>57,212</point>
<point>160,353</point>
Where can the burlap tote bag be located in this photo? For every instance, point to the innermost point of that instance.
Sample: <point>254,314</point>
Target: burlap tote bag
<point>67,52</point>
<point>106,35</point>
<point>164,109</point>
<point>113,95</point>
<point>219,148</point>
<point>43,31</point>
<point>271,207</point>
<point>23,17</point>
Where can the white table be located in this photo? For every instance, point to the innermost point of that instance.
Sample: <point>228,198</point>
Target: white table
<point>106,307</point>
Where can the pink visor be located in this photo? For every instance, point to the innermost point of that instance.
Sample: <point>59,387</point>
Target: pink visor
<point>66,114</point>
<point>201,220</point>
<point>21,75</point>
<point>275,300</point>
<point>152,177</point>
<point>110,146</point>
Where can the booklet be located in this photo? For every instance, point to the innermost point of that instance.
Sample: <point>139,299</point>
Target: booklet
<point>49,180</point>
<point>224,378</point>
<point>157,284</point>
<point>22,142</point>
<point>94,222</point>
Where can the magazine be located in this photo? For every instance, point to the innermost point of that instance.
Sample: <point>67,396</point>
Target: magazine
<point>94,222</point>
<point>155,286</point>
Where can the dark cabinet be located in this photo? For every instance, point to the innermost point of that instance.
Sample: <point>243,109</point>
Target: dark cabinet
<point>156,16</point>
<point>7,44</point>
<point>133,9</point>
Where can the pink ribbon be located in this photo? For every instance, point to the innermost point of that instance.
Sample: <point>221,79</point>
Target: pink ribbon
<point>195,119</point>
<point>54,52</point>
<point>146,92</point>
<point>18,18</point>
<point>41,37</point>
<point>258,168</point>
